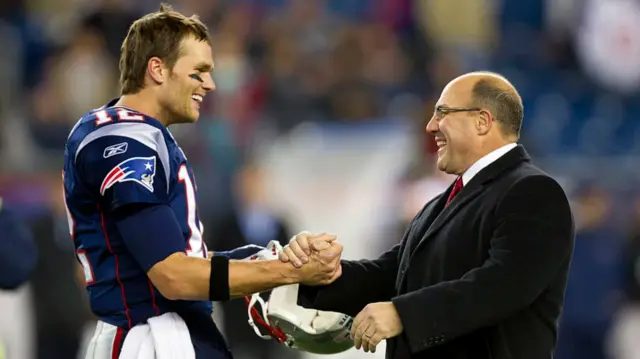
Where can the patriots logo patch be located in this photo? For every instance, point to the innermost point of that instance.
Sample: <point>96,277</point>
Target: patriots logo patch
<point>137,169</point>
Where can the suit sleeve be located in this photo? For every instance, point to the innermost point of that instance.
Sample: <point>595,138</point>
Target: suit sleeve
<point>123,170</point>
<point>533,238</point>
<point>362,282</point>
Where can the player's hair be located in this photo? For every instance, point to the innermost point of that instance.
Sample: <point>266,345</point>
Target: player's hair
<point>158,34</point>
<point>504,103</point>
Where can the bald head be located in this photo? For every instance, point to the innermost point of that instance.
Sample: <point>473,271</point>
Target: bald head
<point>476,113</point>
<point>496,94</point>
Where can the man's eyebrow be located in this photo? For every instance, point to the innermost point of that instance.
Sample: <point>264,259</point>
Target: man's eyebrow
<point>204,67</point>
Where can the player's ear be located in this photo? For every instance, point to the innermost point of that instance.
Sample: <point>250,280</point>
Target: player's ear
<point>156,69</point>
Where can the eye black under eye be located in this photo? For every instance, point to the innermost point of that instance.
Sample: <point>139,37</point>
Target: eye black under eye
<point>196,77</point>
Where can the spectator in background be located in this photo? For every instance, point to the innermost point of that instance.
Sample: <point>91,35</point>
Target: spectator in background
<point>18,251</point>
<point>61,309</point>
<point>632,262</point>
<point>111,20</point>
<point>596,279</point>
<point>79,77</point>
<point>625,332</point>
<point>250,222</point>
<point>18,255</point>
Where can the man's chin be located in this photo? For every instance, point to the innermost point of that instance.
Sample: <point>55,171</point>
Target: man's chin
<point>193,116</point>
<point>189,118</point>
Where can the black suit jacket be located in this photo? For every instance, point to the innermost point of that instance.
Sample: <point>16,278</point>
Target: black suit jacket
<point>482,278</point>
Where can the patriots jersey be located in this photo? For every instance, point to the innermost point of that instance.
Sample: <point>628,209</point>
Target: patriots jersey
<point>115,157</point>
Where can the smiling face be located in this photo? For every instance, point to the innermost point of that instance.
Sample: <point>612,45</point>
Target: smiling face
<point>464,122</point>
<point>188,82</point>
<point>456,133</point>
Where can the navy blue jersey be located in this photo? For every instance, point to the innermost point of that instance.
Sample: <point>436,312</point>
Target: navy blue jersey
<point>116,157</point>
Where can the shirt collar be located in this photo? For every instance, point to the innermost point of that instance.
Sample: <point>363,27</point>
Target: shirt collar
<point>485,161</point>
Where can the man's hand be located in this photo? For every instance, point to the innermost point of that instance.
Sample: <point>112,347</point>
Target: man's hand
<point>302,244</point>
<point>323,266</point>
<point>375,322</point>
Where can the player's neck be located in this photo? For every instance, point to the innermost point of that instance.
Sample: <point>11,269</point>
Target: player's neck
<point>143,103</point>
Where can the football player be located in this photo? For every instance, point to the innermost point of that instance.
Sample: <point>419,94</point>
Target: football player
<point>132,198</point>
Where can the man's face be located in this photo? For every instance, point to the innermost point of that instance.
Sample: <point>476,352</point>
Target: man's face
<point>189,81</point>
<point>454,132</point>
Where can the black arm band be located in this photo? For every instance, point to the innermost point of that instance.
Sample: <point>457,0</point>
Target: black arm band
<point>219,279</point>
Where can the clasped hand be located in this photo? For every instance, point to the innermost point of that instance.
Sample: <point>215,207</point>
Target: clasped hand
<point>320,254</point>
<point>316,256</point>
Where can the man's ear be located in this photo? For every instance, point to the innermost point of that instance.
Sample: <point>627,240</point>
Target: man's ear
<point>157,70</point>
<point>484,122</point>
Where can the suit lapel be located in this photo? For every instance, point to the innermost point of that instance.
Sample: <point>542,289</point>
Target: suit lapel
<point>432,215</point>
<point>467,193</point>
<point>470,191</point>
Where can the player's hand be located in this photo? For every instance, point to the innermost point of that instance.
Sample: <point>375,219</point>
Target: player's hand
<point>302,244</point>
<point>375,322</point>
<point>323,266</point>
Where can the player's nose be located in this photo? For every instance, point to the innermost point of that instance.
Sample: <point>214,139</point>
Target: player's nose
<point>432,126</point>
<point>208,84</point>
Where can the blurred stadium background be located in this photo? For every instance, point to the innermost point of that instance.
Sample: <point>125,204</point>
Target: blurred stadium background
<point>318,124</point>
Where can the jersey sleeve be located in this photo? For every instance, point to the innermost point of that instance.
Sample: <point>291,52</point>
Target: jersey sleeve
<point>125,165</point>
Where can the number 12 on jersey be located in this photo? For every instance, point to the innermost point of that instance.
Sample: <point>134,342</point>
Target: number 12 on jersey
<point>195,245</point>
<point>89,277</point>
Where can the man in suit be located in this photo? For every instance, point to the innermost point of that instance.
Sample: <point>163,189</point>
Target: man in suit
<point>482,269</point>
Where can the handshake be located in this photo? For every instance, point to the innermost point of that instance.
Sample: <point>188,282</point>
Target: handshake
<point>316,257</point>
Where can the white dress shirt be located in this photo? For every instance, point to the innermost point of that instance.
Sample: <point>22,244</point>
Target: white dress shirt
<point>485,161</point>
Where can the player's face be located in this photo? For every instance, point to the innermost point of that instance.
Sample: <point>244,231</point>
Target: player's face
<point>454,132</point>
<point>190,81</point>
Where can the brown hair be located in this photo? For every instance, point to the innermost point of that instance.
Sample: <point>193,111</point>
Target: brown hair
<point>158,34</point>
<point>503,102</point>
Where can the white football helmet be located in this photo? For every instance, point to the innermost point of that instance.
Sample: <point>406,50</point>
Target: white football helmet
<point>309,330</point>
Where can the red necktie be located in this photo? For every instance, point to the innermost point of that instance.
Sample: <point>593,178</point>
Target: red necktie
<point>457,187</point>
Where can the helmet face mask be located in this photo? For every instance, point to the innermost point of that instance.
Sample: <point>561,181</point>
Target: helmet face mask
<point>309,330</point>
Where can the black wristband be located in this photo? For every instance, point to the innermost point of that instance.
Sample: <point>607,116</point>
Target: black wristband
<point>219,279</point>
